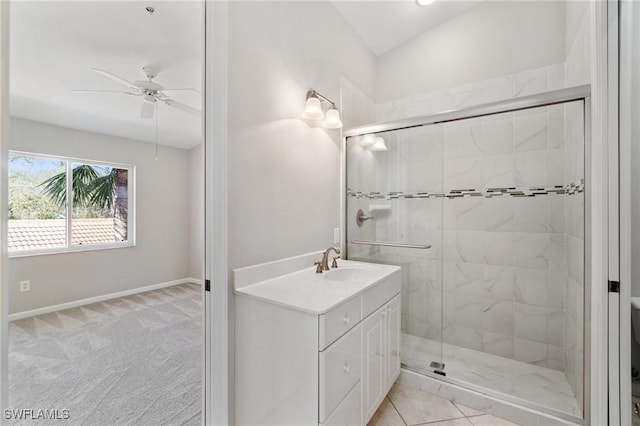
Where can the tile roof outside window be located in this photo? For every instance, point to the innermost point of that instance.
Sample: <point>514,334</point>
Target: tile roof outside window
<point>44,234</point>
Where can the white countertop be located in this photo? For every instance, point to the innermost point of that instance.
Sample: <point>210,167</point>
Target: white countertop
<point>313,293</point>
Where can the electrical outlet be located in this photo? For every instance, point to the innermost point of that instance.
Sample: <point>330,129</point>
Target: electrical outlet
<point>25,286</point>
<point>336,236</point>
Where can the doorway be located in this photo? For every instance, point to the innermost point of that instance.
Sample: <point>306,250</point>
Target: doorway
<point>91,136</point>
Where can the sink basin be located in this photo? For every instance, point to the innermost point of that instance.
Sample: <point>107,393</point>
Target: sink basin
<point>294,283</point>
<point>349,274</point>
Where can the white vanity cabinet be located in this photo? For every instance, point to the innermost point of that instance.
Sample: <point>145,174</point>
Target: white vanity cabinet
<point>300,366</point>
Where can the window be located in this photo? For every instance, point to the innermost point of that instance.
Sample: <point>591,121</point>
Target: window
<point>42,220</point>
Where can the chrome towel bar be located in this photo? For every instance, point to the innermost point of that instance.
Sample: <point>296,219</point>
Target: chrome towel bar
<point>387,244</point>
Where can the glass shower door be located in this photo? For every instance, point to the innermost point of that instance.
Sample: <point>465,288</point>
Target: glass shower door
<point>394,215</point>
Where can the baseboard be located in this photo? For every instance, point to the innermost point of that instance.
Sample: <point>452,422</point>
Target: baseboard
<point>195,281</point>
<point>102,298</point>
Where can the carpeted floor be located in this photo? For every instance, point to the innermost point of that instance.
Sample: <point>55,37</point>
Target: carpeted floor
<point>135,360</point>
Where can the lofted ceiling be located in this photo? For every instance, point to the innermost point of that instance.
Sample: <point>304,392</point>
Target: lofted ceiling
<point>383,25</point>
<point>54,45</point>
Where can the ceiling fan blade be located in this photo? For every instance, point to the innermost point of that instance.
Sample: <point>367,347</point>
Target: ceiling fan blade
<point>116,78</point>
<point>189,89</point>
<point>181,106</point>
<point>105,91</point>
<point>147,110</point>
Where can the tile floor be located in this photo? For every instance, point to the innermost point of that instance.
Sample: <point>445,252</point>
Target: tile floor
<point>542,387</point>
<point>406,406</point>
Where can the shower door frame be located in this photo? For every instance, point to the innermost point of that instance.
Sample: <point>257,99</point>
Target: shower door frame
<point>556,97</point>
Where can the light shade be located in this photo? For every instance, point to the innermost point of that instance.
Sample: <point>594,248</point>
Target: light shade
<point>312,109</point>
<point>424,2</point>
<point>332,120</point>
<point>368,140</point>
<point>379,145</point>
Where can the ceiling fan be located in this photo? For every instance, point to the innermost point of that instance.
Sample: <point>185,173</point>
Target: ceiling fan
<point>150,92</point>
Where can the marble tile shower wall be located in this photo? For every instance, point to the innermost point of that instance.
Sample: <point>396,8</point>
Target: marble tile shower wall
<point>525,83</point>
<point>573,343</point>
<point>510,263</point>
<point>413,162</point>
<point>577,72</point>
<point>414,165</point>
<point>365,170</point>
<point>503,256</point>
<point>371,171</point>
<point>503,271</point>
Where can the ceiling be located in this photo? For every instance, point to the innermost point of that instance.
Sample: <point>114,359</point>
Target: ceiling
<point>383,25</point>
<point>54,46</point>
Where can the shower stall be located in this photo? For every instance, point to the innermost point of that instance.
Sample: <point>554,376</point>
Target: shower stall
<point>485,210</point>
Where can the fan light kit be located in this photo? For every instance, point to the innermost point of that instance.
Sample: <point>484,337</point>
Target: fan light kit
<point>313,110</point>
<point>150,92</point>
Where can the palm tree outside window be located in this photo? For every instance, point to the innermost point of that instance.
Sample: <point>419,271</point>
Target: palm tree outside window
<point>40,218</point>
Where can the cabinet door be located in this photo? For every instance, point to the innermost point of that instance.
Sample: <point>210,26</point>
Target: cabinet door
<point>374,365</point>
<point>392,352</point>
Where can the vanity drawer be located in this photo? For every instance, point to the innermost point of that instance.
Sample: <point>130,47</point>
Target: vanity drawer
<point>377,296</point>
<point>348,412</point>
<point>340,366</point>
<point>338,321</point>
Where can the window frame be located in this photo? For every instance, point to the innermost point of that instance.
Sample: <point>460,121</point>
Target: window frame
<point>69,247</point>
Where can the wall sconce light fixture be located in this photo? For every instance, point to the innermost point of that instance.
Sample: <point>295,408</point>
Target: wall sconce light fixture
<point>313,110</point>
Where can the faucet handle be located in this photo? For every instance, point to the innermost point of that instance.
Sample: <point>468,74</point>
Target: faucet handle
<point>334,264</point>
<point>318,267</point>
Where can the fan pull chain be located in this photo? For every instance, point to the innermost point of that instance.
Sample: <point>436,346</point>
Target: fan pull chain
<point>156,125</point>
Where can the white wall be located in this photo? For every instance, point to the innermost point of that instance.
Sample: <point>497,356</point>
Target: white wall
<point>488,41</point>
<point>196,212</point>
<point>161,253</point>
<point>284,176</point>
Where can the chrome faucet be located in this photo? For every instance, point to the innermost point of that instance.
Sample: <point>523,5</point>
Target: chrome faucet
<point>323,265</point>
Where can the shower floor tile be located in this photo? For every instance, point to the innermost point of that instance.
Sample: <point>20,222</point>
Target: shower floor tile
<point>542,387</point>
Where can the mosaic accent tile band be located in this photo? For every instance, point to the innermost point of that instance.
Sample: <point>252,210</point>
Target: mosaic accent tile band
<point>571,189</point>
